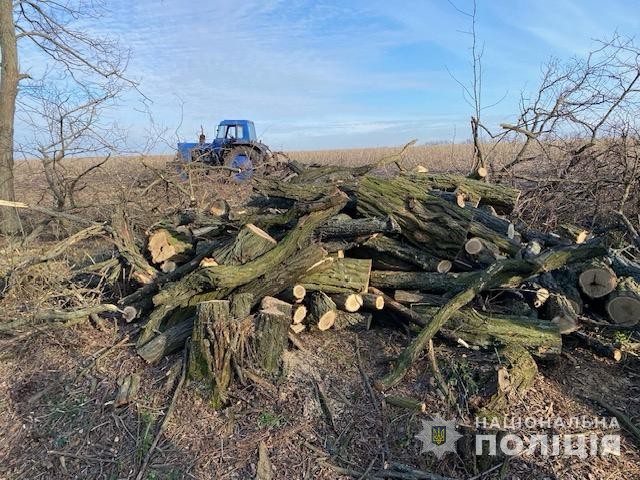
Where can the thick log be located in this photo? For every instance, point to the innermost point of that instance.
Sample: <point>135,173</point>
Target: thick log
<point>272,303</point>
<point>167,342</point>
<point>423,281</point>
<point>408,298</point>
<point>294,294</point>
<point>321,310</point>
<point>501,197</point>
<point>170,245</point>
<point>299,313</point>
<point>249,243</point>
<point>355,320</point>
<point>228,276</point>
<point>349,302</point>
<point>343,276</point>
<point>272,328</point>
<point>302,193</point>
<point>623,304</point>
<point>426,220</point>
<point>597,279</point>
<point>219,208</point>
<point>382,246</point>
<point>212,349</point>
<point>498,224</point>
<point>491,330</point>
<point>573,233</point>
<point>372,302</point>
<point>360,227</point>
<point>309,260</point>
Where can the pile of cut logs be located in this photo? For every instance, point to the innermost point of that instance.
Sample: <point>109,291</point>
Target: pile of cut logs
<point>334,247</point>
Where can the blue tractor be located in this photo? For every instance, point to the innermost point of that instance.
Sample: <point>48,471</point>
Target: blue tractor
<point>235,146</point>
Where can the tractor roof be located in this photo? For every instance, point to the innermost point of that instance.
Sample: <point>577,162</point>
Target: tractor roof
<point>234,122</point>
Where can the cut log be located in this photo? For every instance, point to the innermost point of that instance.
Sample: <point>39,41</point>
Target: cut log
<point>597,279</point>
<point>349,302</point>
<point>297,327</point>
<point>170,244</point>
<point>532,249</point>
<point>272,328</point>
<point>293,294</point>
<point>408,298</point>
<point>299,313</point>
<point>345,275</point>
<point>321,310</point>
<point>423,281</point>
<point>501,197</point>
<point>490,330</point>
<point>561,312</point>
<point>249,243</point>
<point>271,303</point>
<point>481,251</point>
<point>420,169</point>
<point>623,305</point>
<point>168,266</point>
<point>373,302</point>
<point>504,244</point>
<point>219,208</point>
<point>355,320</point>
<point>573,233</point>
<point>444,266</point>
<point>382,246</point>
<point>167,342</point>
<point>360,227</point>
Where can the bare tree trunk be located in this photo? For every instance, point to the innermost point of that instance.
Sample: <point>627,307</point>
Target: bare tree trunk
<point>9,222</point>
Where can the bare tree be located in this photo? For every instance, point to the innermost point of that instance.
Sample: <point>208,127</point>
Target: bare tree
<point>578,102</point>
<point>51,27</point>
<point>67,124</point>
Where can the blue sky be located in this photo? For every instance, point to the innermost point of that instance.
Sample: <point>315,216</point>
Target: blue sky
<point>332,74</point>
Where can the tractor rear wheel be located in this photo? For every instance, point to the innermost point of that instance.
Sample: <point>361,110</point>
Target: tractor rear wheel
<point>246,159</point>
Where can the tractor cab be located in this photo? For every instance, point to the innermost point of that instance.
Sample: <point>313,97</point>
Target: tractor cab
<point>235,145</point>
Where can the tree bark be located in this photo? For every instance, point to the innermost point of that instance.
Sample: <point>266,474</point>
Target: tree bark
<point>322,310</point>
<point>272,327</point>
<point>9,78</point>
<point>344,276</point>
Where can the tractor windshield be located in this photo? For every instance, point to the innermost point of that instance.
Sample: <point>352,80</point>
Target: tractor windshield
<point>222,131</point>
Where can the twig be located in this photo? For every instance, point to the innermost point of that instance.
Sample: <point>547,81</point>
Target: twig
<point>120,343</point>
<point>81,457</point>
<point>165,420</point>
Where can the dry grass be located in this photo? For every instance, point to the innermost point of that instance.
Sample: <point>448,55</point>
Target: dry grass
<point>56,424</point>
